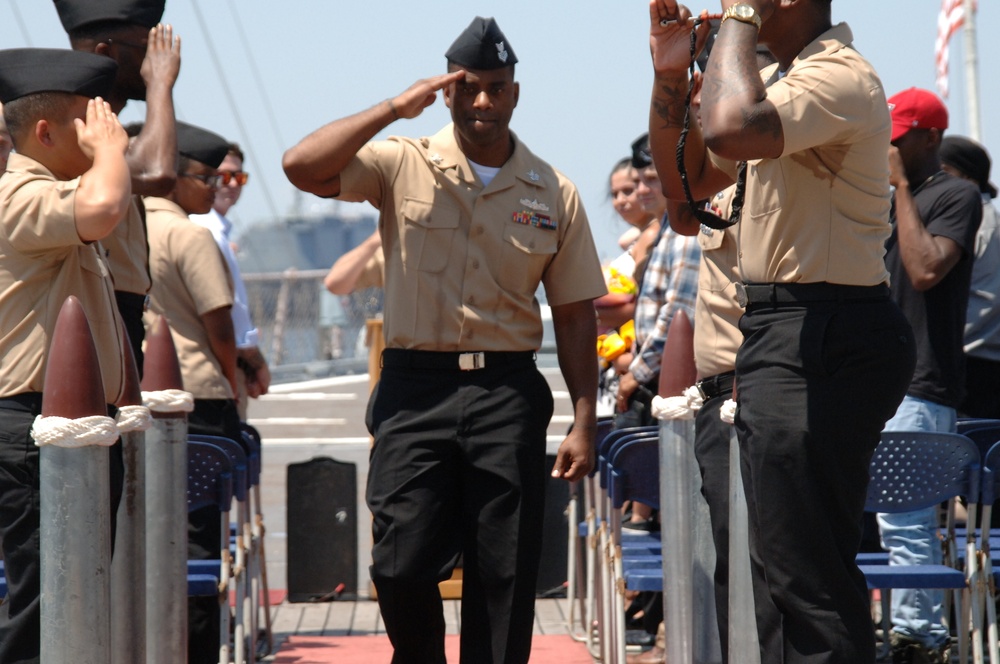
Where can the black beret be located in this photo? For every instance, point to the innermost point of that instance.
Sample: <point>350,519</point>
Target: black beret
<point>481,46</point>
<point>75,14</point>
<point>26,71</point>
<point>641,157</point>
<point>201,144</point>
<point>970,159</point>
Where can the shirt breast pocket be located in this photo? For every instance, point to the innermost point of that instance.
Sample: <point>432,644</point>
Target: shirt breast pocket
<point>427,233</point>
<point>527,251</point>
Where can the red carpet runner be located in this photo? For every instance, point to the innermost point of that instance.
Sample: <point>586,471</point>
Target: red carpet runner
<point>550,649</point>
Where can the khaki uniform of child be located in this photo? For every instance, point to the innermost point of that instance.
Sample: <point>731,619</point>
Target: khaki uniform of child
<point>42,262</point>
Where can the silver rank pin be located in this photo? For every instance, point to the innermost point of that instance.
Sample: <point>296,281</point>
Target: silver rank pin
<point>436,158</point>
<point>501,51</point>
<point>533,176</point>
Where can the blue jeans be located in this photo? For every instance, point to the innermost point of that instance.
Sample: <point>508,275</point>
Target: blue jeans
<point>911,537</point>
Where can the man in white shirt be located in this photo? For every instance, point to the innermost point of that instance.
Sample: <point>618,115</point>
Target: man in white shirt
<point>254,375</point>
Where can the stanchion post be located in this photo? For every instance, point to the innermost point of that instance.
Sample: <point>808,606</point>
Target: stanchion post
<point>744,647</point>
<point>74,493</point>
<point>686,531</point>
<point>166,507</point>
<point>128,565</point>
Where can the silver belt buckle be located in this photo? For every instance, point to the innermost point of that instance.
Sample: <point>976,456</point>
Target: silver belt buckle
<point>741,294</point>
<point>471,361</point>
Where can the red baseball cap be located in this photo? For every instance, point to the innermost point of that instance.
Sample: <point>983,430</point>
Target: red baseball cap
<point>916,109</point>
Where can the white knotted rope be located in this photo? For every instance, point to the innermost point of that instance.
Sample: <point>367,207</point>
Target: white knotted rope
<point>134,418</point>
<point>169,401</point>
<point>82,432</point>
<point>683,407</point>
<point>728,411</point>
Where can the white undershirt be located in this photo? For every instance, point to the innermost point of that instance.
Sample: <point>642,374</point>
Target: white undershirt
<point>485,173</point>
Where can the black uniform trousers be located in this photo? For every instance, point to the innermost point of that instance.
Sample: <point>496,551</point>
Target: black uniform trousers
<point>211,417</point>
<point>817,382</point>
<point>20,518</point>
<point>458,468</point>
<point>711,449</point>
<point>131,307</point>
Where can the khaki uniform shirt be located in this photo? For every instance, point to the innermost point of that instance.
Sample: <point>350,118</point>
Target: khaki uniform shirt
<point>820,212</point>
<point>717,335</point>
<point>463,261</point>
<point>128,252</point>
<point>42,262</point>
<point>190,278</point>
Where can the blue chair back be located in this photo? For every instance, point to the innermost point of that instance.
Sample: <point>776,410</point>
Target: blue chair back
<point>254,447</point>
<point>210,477</point>
<point>991,475</point>
<point>238,457</point>
<point>984,437</point>
<point>611,440</point>
<point>915,470</point>
<point>635,472</point>
<point>966,424</point>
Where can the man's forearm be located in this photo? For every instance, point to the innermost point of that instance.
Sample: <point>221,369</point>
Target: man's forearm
<point>315,164</point>
<point>152,155</point>
<point>576,331</point>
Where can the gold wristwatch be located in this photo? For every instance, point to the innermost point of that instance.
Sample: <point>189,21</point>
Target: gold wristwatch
<point>744,13</point>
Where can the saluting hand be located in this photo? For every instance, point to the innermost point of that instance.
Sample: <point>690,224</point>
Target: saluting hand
<point>422,94</point>
<point>101,130</point>
<point>670,26</point>
<point>162,63</point>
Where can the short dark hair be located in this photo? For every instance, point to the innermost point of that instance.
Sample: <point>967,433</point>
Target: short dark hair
<point>23,113</point>
<point>234,150</point>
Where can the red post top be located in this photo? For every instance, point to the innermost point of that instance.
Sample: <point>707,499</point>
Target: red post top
<point>677,370</point>
<point>74,387</point>
<point>161,369</point>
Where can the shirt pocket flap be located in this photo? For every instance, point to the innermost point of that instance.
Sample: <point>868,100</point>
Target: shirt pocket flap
<point>428,215</point>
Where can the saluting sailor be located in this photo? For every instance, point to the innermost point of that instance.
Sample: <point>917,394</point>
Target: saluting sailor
<point>471,223</point>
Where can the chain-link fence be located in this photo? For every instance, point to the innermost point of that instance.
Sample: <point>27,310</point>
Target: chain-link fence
<point>304,329</point>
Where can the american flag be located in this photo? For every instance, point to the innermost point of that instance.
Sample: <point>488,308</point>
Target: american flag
<point>951,18</point>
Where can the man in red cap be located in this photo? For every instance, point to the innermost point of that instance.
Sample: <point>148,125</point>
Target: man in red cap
<point>930,253</point>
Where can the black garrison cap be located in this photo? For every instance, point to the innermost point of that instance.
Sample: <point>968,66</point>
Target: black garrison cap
<point>201,144</point>
<point>481,46</point>
<point>26,71</point>
<point>641,157</point>
<point>75,14</point>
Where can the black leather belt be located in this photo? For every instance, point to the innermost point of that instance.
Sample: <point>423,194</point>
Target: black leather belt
<point>454,361</point>
<point>717,385</point>
<point>779,294</point>
<point>26,402</point>
<point>133,301</point>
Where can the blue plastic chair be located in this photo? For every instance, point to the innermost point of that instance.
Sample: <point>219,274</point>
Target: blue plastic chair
<point>916,470</point>
<point>210,482</point>
<point>985,590</point>
<point>237,541</point>
<point>257,559</point>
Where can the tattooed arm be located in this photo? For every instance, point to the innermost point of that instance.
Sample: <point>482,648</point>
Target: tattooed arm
<point>670,46</point>
<point>737,119</point>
